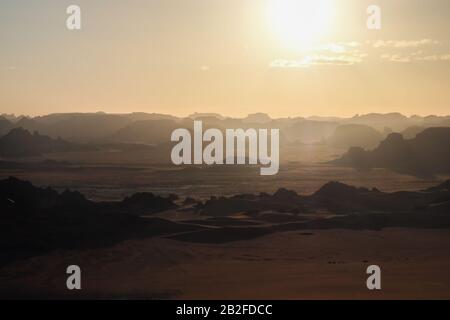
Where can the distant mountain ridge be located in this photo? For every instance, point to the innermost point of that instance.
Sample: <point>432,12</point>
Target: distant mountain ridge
<point>355,135</point>
<point>142,127</point>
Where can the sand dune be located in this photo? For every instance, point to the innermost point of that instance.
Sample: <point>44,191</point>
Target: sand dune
<point>319,264</point>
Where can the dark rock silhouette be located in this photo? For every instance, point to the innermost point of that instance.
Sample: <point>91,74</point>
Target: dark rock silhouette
<point>445,186</point>
<point>338,190</point>
<point>5,125</point>
<point>36,220</point>
<point>146,203</point>
<point>427,153</point>
<point>20,143</point>
<point>189,201</point>
<point>31,125</point>
<point>282,200</point>
<point>284,194</point>
<point>333,197</point>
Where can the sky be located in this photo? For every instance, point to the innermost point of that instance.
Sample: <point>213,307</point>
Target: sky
<point>282,57</point>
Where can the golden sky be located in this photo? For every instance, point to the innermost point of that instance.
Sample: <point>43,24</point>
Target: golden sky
<point>227,56</point>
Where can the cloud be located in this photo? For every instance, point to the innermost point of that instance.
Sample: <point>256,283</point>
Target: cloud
<point>396,58</point>
<point>442,57</point>
<point>316,60</point>
<point>353,53</point>
<point>415,57</point>
<point>407,51</point>
<point>284,63</point>
<point>337,47</point>
<point>404,43</point>
<point>331,54</point>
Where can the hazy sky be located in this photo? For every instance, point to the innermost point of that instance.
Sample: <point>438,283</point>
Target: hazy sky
<point>228,56</point>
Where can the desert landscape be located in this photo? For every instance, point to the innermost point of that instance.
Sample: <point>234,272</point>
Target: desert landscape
<point>159,231</point>
<point>235,149</point>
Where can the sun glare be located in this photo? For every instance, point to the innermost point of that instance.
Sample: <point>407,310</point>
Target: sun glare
<point>298,24</point>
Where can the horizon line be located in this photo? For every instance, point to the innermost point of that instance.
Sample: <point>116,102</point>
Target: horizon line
<point>242,116</point>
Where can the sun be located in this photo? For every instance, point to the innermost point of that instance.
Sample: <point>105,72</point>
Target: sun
<point>298,24</point>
